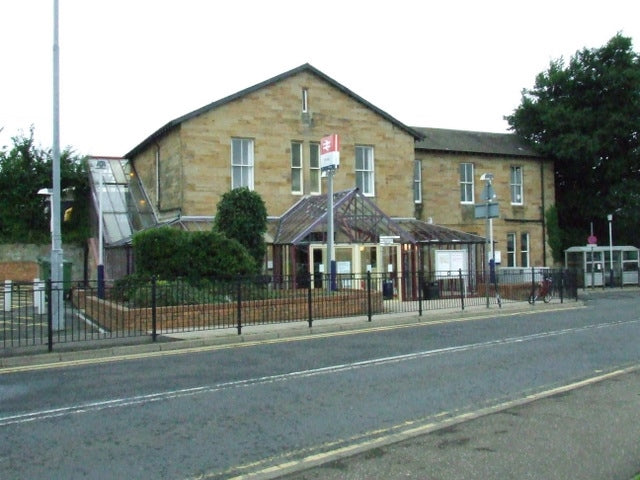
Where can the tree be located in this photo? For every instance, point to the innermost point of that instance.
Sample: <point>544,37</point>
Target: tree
<point>554,234</point>
<point>24,215</point>
<point>586,116</point>
<point>242,215</point>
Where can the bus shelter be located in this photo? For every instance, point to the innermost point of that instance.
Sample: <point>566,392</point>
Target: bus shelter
<point>595,265</point>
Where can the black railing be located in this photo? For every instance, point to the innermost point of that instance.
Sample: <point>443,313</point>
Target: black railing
<point>151,307</point>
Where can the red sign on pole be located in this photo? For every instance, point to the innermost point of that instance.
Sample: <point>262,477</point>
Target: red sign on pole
<point>330,152</point>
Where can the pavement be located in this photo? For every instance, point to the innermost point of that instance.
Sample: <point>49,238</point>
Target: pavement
<point>588,430</point>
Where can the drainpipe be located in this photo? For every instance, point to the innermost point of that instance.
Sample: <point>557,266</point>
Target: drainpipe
<point>157,179</point>
<point>544,222</point>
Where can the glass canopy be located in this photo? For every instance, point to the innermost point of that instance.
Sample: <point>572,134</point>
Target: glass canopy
<point>117,193</point>
<point>357,220</point>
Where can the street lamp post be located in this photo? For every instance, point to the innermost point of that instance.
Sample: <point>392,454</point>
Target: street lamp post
<point>56,234</point>
<point>610,220</point>
<point>57,315</point>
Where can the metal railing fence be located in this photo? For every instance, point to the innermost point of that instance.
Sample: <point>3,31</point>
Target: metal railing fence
<point>151,307</point>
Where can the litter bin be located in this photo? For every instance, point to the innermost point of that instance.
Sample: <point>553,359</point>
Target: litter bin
<point>45,272</point>
<point>387,289</point>
<point>431,290</point>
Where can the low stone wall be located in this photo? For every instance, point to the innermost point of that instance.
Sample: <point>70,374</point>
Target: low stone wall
<point>19,271</point>
<point>14,255</point>
<point>510,291</point>
<point>114,316</point>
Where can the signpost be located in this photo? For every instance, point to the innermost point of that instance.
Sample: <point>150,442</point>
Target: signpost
<point>488,210</point>
<point>329,163</point>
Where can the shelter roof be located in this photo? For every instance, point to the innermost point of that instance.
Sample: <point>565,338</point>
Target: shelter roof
<point>602,248</point>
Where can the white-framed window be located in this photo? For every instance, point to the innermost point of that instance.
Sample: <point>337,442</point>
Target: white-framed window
<point>524,249</point>
<point>511,250</point>
<point>315,182</point>
<point>417,181</point>
<point>242,163</point>
<point>305,100</point>
<point>365,174</point>
<point>296,168</point>
<point>466,183</point>
<point>515,184</point>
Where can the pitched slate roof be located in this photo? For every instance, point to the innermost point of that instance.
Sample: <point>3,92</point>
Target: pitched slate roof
<point>302,68</point>
<point>462,141</point>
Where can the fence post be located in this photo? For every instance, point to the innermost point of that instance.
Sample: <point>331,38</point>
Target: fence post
<point>532,297</point>
<point>369,310</point>
<point>239,304</point>
<point>49,316</point>
<point>461,287</point>
<point>561,286</point>
<point>154,318</point>
<point>309,300</point>
<point>487,282</point>
<point>420,287</point>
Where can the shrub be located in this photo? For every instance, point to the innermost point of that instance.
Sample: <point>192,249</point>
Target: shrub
<point>170,253</point>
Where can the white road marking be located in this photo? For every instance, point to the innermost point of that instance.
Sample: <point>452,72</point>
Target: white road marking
<point>172,394</point>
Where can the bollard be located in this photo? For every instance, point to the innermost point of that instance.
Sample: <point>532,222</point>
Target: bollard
<point>39,297</point>
<point>7,295</point>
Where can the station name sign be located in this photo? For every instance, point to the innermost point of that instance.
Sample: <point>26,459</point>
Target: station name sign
<point>330,152</point>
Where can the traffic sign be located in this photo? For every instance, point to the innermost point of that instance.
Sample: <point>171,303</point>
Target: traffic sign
<point>481,210</point>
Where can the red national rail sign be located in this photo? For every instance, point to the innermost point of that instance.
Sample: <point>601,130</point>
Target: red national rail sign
<point>330,152</point>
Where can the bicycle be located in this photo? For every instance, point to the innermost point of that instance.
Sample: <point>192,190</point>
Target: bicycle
<point>544,290</point>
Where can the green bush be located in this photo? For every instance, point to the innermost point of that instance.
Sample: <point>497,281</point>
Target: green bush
<point>170,253</point>
<point>241,214</point>
<point>160,252</point>
<point>168,293</point>
<point>212,255</point>
<point>136,292</point>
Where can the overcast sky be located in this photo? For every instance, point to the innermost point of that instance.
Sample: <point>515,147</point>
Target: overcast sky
<point>127,67</point>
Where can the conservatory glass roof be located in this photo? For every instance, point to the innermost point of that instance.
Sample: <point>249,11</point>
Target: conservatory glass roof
<point>357,220</point>
<point>116,192</point>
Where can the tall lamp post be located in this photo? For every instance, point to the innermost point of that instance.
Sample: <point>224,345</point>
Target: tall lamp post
<point>610,220</point>
<point>56,231</point>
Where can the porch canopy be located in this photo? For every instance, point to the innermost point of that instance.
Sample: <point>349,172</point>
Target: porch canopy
<point>358,220</point>
<point>432,234</point>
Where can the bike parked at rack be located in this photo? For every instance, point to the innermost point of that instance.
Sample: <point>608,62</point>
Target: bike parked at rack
<point>544,290</point>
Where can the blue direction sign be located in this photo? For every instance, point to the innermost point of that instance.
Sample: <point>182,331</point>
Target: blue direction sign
<point>481,210</point>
